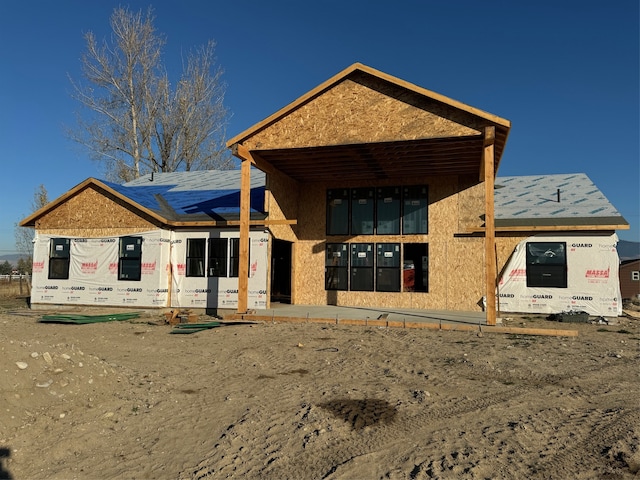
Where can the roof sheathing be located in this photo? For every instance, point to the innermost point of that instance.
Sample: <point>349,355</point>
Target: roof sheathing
<point>548,200</point>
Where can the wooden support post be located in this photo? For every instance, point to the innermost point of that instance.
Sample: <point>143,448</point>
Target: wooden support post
<point>488,162</point>
<point>169,274</point>
<point>245,204</point>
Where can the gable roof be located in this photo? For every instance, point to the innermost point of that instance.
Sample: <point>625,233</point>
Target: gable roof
<point>213,196</point>
<point>177,198</point>
<point>397,140</point>
<point>553,200</point>
<point>349,71</point>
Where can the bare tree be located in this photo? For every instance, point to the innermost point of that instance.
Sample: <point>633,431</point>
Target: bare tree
<point>24,235</point>
<point>137,122</point>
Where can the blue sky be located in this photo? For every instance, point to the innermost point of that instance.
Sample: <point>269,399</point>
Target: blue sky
<point>565,72</point>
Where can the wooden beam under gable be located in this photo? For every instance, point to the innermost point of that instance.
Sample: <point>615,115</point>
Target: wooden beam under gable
<point>243,153</point>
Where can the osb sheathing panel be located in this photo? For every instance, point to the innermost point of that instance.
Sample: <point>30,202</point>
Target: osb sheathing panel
<point>353,112</point>
<point>448,256</point>
<point>281,201</point>
<point>464,264</point>
<point>309,273</point>
<point>91,214</point>
<point>471,205</point>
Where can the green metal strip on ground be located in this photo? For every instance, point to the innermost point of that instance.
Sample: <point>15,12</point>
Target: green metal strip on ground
<point>198,325</point>
<point>187,331</point>
<point>187,328</point>
<point>84,319</point>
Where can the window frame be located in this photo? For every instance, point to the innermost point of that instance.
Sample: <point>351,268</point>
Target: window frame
<point>356,267</point>
<point>200,259</point>
<point>336,267</point>
<point>337,203</point>
<point>386,195</point>
<point>552,272</point>
<point>388,267</point>
<point>234,257</point>
<point>409,199</point>
<point>59,258</point>
<point>218,265</point>
<point>363,211</point>
<point>130,259</point>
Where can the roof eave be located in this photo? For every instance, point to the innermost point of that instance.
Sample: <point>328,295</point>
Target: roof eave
<point>31,219</point>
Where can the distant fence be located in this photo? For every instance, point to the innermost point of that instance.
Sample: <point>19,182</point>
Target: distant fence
<point>16,277</point>
<point>11,285</point>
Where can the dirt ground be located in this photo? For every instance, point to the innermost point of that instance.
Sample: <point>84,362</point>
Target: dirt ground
<point>129,400</point>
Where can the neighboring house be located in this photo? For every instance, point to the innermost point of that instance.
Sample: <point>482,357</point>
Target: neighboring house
<point>630,279</point>
<point>367,191</point>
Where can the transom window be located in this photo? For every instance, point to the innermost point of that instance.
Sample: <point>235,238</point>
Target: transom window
<point>381,211</point>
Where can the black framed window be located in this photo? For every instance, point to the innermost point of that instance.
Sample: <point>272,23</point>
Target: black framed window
<point>388,267</point>
<point>388,210</point>
<point>338,211</point>
<point>362,211</point>
<point>130,262</point>
<point>218,257</point>
<point>196,257</point>
<point>362,259</point>
<point>415,201</point>
<point>59,258</point>
<point>383,210</point>
<point>547,264</point>
<point>234,257</point>
<point>336,270</point>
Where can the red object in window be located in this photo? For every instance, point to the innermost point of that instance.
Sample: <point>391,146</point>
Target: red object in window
<point>409,279</point>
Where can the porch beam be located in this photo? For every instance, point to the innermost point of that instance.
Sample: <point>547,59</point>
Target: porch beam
<point>243,153</point>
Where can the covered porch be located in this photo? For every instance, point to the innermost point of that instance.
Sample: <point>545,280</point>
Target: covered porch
<point>443,138</point>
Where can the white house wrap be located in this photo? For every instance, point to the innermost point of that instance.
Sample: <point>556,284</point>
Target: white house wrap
<point>93,272</point>
<point>218,292</point>
<point>592,282</point>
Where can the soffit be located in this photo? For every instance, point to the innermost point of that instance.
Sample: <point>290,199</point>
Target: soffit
<point>377,161</point>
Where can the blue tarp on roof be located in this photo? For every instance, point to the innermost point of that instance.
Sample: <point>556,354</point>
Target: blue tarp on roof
<point>194,195</point>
